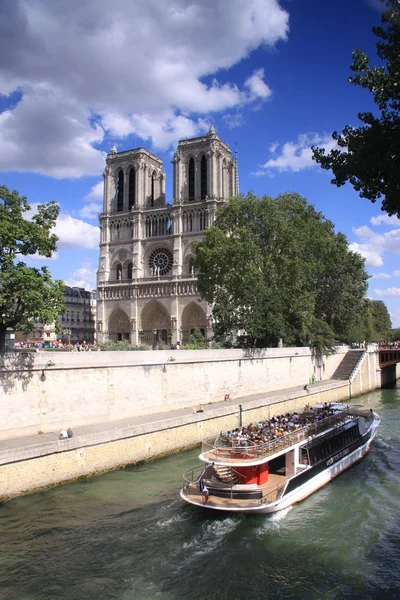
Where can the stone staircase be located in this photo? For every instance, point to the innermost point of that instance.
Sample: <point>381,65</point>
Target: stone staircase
<point>348,364</point>
<point>226,474</point>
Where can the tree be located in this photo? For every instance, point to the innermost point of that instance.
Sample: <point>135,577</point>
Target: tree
<point>395,337</point>
<point>382,323</point>
<point>26,294</point>
<point>368,156</point>
<point>275,269</point>
<point>373,323</point>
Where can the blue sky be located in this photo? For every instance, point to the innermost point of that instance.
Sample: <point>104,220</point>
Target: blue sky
<point>271,76</point>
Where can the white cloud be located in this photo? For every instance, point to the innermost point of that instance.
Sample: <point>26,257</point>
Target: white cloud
<point>124,67</point>
<point>90,211</point>
<point>49,134</point>
<point>393,291</point>
<point>273,147</point>
<point>84,277</point>
<point>386,220</point>
<point>365,232</point>
<point>296,156</point>
<point>96,193</point>
<point>374,245</point>
<point>372,256</point>
<point>74,233</point>
<point>396,273</point>
<point>71,232</point>
<point>381,276</point>
<point>258,88</point>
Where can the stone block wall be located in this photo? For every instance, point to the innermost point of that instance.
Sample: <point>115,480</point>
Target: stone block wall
<point>97,387</point>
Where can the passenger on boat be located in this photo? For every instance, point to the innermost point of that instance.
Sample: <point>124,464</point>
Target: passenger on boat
<point>275,428</point>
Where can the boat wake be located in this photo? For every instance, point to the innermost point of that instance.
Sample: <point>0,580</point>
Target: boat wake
<point>211,536</point>
<point>273,522</point>
<point>174,520</point>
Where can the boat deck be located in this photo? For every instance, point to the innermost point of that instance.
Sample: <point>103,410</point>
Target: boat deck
<point>270,492</point>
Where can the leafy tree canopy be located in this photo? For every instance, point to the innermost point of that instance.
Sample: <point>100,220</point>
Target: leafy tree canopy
<point>275,269</point>
<point>373,323</point>
<point>26,293</point>
<point>396,334</point>
<point>368,156</point>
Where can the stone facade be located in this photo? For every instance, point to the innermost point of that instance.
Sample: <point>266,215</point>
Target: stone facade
<point>79,319</point>
<point>147,288</point>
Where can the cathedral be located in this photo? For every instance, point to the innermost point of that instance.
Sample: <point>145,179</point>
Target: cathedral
<point>146,283</point>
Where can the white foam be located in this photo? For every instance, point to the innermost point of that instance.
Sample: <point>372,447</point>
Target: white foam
<point>171,521</point>
<point>211,536</point>
<point>273,522</point>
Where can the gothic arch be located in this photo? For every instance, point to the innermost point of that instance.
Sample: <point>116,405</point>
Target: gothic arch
<point>193,316</point>
<point>120,191</point>
<point>203,176</point>
<point>188,263</point>
<point>118,325</point>
<point>191,178</point>
<point>155,324</point>
<point>131,177</point>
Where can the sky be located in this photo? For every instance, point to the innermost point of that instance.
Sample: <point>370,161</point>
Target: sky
<point>78,77</point>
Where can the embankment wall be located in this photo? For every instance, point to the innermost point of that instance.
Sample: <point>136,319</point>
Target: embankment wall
<point>100,387</point>
<point>28,469</point>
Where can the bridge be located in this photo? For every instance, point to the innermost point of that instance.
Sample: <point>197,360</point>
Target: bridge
<point>388,356</point>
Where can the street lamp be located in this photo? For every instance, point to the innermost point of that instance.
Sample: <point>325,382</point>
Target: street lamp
<point>47,365</point>
<point>68,332</point>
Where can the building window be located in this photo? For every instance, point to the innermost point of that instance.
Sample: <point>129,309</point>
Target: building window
<point>132,189</point>
<point>130,271</point>
<point>160,261</point>
<point>120,192</point>
<point>191,179</point>
<point>152,190</point>
<point>119,272</point>
<point>203,177</point>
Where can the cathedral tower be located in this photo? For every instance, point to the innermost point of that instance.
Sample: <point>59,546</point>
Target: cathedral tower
<point>147,289</point>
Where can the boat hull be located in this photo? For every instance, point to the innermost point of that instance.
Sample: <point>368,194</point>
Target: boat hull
<point>304,490</point>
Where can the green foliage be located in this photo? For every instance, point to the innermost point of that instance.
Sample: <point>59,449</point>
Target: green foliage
<point>321,338</point>
<point>273,268</point>
<point>196,341</point>
<point>395,336</point>
<point>373,323</point>
<point>26,294</point>
<point>382,323</point>
<point>368,156</point>
<point>123,345</point>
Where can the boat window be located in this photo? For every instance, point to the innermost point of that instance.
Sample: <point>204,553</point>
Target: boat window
<point>303,459</point>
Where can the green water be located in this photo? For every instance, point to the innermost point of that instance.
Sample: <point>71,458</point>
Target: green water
<point>127,535</point>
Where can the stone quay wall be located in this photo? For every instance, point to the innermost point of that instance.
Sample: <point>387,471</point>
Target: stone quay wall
<point>100,387</point>
<point>29,469</point>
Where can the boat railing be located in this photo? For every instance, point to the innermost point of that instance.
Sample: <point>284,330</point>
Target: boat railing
<point>193,475</point>
<point>226,448</point>
<point>272,493</point>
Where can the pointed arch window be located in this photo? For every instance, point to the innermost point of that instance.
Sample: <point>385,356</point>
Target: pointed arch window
<point>132,188</point>
<point>152,190</point>
<point>120,192</point>
<point>119,272</point>
<point>191,179</point>
<point>203,178</point>
<point>130,267</point>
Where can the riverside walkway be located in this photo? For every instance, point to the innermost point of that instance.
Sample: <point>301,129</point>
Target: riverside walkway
<point>34,446</point>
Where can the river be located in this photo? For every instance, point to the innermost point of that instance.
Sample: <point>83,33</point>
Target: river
<point>127,535</point>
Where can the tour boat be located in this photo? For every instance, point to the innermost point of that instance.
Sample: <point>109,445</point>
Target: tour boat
<point>268,477</point>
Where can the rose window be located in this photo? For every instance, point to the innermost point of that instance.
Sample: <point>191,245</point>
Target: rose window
<point>160,261</point>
